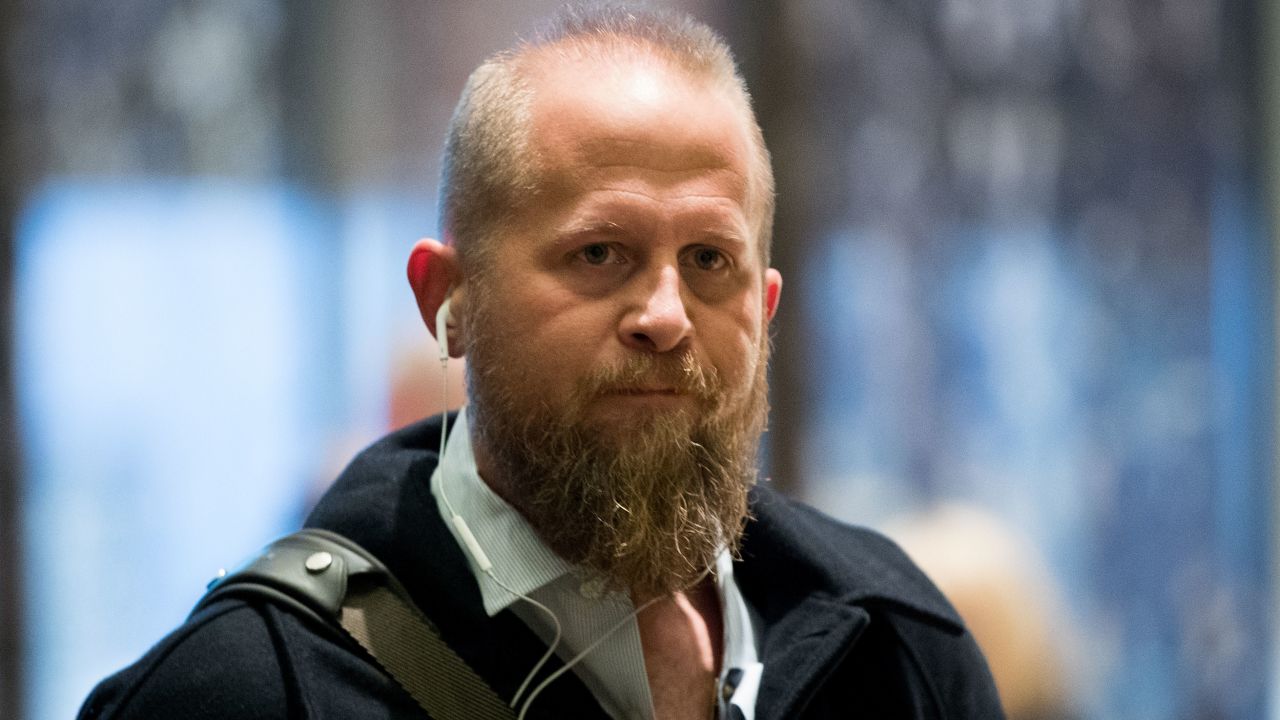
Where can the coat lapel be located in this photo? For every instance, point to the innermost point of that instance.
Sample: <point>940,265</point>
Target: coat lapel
<point>800,652</point>
<point>812,582</point>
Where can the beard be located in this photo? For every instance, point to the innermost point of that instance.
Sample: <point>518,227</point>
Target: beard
<point>645,503</point>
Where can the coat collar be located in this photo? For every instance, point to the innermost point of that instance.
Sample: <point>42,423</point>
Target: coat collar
<point>814,582</point>
<point>795,552</point>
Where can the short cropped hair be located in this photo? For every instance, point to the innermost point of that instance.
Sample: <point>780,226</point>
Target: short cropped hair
<point>488,171</point>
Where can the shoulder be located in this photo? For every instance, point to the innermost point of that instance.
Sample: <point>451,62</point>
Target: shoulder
<point>405,453</point>
<point>236,658</point>
<point>383,502</point>
<point>222,663</point>
<point>379,483</point>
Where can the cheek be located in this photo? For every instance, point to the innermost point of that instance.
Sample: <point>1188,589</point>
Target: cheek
<point>564,330</point>
<point>526,309</point>
<point>733,342</point>
<point>554,339</point>
<point>750,318</point>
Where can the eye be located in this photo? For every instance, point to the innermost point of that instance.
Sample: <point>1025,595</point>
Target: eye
<point>598,254</point>
<point>707,258</point>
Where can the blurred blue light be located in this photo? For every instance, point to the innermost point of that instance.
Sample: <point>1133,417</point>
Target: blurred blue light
<point>168,363</point>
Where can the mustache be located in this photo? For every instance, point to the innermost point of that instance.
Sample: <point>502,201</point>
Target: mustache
<point>682,374</point>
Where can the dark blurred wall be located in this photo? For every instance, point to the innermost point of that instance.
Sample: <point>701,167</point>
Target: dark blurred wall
<point>782,95</point>
<point>11,666</point>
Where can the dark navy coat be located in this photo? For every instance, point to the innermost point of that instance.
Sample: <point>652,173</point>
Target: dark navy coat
<point>850,628</point>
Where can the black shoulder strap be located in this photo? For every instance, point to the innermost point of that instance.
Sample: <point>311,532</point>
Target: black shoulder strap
<point>307,571</point>
<point>330,579</point>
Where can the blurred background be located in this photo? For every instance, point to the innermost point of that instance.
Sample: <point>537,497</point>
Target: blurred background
<point>1028,328</point>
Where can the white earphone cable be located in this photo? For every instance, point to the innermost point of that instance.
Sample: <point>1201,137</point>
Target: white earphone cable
<point>468,539</point>
<point>596,643</point>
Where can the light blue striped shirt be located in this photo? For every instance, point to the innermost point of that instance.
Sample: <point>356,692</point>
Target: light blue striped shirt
<point>614,671</point>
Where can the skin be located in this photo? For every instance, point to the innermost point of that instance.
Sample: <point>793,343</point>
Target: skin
<point>639,241</point>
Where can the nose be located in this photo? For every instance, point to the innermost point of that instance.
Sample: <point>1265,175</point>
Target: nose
<point>659,322</point>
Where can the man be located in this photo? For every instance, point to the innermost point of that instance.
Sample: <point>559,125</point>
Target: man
<point>607,208</point>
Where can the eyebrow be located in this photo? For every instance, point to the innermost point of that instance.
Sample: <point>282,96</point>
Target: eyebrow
<point>720,236</point>
<point>577,231</point>
<point>607,227</point>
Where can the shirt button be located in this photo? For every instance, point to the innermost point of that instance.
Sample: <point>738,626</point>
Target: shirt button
<point>730,684</point>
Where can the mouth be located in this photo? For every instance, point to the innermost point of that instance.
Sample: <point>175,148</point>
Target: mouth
<point>633,399</point>
<point>645,391</point>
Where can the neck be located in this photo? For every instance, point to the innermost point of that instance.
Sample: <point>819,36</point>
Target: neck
<point>682,636</point>
<point>488,468</point>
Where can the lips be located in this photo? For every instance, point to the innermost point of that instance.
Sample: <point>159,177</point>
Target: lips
<point>645,391</point>
<point>657,396</point>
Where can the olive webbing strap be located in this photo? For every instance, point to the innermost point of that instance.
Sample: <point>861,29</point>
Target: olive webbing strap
<point>333,580</point>
<point>410,649</point>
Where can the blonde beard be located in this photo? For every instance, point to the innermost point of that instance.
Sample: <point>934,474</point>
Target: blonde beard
<point>646,507</point>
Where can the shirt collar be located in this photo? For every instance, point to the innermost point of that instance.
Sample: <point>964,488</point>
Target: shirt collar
<point>520,559</point>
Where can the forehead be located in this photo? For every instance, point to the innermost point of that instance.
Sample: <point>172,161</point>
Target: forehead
<point>637,112</point>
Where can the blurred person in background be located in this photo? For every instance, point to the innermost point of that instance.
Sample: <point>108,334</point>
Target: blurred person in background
<point>607,209</point>
<point>1003,589</point>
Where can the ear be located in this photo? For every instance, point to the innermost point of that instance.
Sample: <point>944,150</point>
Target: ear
<point>434,273</point>
<point>772,291</point>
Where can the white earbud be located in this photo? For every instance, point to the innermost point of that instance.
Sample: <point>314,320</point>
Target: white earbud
<point>443,317</point>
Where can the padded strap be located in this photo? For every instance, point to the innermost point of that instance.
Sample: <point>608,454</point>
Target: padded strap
<point>408,646</point>
<point>331,579</point>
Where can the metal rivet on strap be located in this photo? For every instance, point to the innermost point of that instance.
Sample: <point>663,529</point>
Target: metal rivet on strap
<point>319,562</point>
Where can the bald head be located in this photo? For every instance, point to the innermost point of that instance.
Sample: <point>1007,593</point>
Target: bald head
<point>491,172</point>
